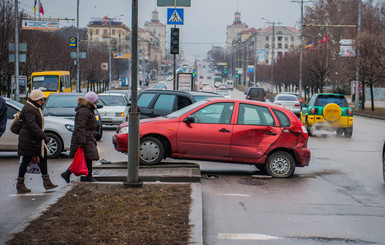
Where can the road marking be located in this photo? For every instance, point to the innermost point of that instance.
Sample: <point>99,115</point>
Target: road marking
<point>246,236</point>
<point>233,195</point>
<point>30,194</point>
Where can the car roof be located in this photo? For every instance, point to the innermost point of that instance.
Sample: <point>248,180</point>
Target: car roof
<point>111,94</point>
<point>193,93</point>
<point>330,94</point>
<point>66,94</point>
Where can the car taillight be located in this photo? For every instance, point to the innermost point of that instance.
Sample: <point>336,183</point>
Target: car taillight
<point>314,110</point>
<point>304,132</point>
<point>297,105</point>
<point>349,112</point>
<point>278,104</point>
<point>248,97</point>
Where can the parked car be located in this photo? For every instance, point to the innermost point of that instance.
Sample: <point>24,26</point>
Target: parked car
<point>115,108</point>
<point>329,112</point>
<point>154,103</point>
<point>289,101</point>
<point>58,130</point>
<point>202,84</point>
<point>207,88</point>
<point>296,95</point>
<point>64,104</point>
<point>125,92</point>
<point>256,93</point>
<point>224,93</point>
<point>222,87</point>
<point>215,129</point>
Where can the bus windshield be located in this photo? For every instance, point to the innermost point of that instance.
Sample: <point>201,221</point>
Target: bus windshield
<point>46,82</point>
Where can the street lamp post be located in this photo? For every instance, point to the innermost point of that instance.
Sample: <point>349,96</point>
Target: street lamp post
<point>109,50</point>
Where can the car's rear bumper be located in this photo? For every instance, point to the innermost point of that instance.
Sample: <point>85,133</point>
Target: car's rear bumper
<point>303,156</point>
<point>320,122</point>
<point>120,142</point>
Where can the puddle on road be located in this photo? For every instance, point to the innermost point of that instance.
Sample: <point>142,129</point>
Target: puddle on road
<point>252,181</point>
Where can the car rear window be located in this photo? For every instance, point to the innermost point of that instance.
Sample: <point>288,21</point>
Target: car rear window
<point>57,101</point>
<point>287,98</point>
<point>112,100</point>
<point>145,99</point>
<point>323,100</point>
<point>165,102</point>
<point>284,121</point>
<point>257,92</point>
<point>254,115</point>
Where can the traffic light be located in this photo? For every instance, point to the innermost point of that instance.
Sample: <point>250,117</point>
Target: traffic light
<point>174,49</point>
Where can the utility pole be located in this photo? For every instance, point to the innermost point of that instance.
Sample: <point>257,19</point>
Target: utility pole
<point>109,53</point>
<point>77,49</point>
<point>255,59</point>
<point>357,96</point>
<point>16,50</point>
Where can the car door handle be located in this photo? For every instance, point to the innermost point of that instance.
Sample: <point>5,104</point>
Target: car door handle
<point>224,130</point>
<point>270,133</point>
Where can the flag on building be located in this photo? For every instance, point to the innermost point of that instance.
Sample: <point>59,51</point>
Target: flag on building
<point>34,7</point>
<point>309,45</point>
<point>41,9</point>
<point>325,39</point>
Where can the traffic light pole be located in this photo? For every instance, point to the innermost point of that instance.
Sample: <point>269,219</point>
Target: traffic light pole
<point>174,66</point>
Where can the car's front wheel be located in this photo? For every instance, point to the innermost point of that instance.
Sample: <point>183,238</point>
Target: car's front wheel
<point>54,145</point>
<point>151,151</point>
<point>280,164</point>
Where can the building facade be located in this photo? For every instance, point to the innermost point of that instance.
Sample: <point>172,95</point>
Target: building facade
<point>158,30</point>
<point>235,29</point>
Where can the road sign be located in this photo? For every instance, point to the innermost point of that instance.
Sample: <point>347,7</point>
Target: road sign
<point>121,56</point>
<point>185,81</point>
<point>250,68</point>
<point>173,3</point>
<point>44,25</point>
<point>72,42</point>
<point>104,66</point>
<point>22,58</point>
<point>82,55</point>
<point>174,16</point>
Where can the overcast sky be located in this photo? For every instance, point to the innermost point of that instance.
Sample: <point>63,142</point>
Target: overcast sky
<point>205,22</point>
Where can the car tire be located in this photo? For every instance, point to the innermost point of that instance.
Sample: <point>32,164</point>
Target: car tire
<point>280,164</point>
<point>151,151</point>
<point>340,131</point>
<point>54,145</point>
<point>348,132</point>
<point>99,134</point>
<point>309,128</point>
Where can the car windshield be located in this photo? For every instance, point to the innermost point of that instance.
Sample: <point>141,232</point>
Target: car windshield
<point>111,100</point>
<point>57,101</point>
<point>16,104</point>
<point>287,98</point>
<point>186,109</point>
<point>323,100</point>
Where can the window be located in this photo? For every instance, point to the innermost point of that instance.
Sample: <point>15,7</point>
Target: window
<point>267,45</point>
<point>254,115</point>
<point>11,112</point>
<point>279,38</point>
<point>286,45</point>
<point>165,102</point>
<point>267,61</point>
<point>145,100</point>
<point>279,45</point>
<point>113,31</point>
<point>284,121</point>
<point>183,102</point>
<point>292,39</point>
<point>267,38</point>
<point>105,32</point>
<point>219,113</point>
<point>286,38</point>
<point>97,31</point>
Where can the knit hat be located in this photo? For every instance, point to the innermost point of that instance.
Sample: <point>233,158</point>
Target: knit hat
<point>92,96</point>
<point>36,95</point>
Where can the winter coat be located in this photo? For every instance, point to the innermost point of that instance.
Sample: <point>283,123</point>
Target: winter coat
<point>31,136</point>
<point>3,116</point>
<point>85,130</point>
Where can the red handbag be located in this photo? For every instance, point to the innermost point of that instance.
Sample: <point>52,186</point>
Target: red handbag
<point>79,166</point>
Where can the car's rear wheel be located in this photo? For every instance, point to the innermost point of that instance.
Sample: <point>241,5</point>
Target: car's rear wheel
<point>340,131</point>
<point>280,164</point>
<point>151,151</point>
<point>309,128</point>
<point>348,132</point>
<point>54,145</point>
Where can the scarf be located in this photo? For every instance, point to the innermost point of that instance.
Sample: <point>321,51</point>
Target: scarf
<point>43,145</point>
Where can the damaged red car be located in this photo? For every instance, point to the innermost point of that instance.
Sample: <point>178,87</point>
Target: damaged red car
<point>239,131</point>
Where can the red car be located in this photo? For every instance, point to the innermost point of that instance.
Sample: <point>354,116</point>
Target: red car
<point>228,130</point>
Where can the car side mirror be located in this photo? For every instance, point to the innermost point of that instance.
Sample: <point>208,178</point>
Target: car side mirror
<point>189,119</point>
<point>99,106</point>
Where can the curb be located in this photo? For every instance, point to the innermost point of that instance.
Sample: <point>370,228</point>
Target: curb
<point>368,116</point>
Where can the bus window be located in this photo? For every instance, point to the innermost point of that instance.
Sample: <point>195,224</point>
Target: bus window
<point>46,82</point>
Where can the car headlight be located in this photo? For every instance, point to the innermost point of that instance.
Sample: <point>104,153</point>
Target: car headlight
<point>119,114</point>
<point>69,127</point>
<point>97,117</point>
<point>123,130</point>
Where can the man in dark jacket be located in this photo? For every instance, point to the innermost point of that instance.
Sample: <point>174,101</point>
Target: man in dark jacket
<point>32,140</point>
<point>84,135</point>
<point>3,116</point>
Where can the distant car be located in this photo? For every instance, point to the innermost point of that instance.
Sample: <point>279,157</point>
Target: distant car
<point>297,95</point>
<point>289,101</point>
<point>256,93</point>
<point>209,77</point>
<point>154,103</point>
<point>160,85</point>
<point>224,93</point>
<point>230,84</point>
<point>329,112</point>
<point>115,108</point>
<point>64,104</point>
<point>215,129</point>
<point>58,130</point>
<point>203,84</point>
<point>222,87</point>
<point>125,92</point>
<point>207,88</point>
<point>200,77</point>
<point>170,78</point>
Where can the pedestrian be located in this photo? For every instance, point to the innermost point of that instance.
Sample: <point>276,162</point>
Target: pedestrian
<point>3,116</point>
<point>32,140</point>
<point>84,135</point>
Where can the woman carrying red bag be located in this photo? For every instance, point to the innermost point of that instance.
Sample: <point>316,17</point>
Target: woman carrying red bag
<point>84,133</point>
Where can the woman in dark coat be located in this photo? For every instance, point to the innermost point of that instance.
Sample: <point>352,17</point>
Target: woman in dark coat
<point>84,135</point>
<point>32,140</point>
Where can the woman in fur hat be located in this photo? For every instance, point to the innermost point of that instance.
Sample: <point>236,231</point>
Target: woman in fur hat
<point>32,140</point>
<point>84,135</point>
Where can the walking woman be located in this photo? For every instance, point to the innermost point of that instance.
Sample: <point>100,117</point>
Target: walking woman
<point>32,140</point>
<point>84,133</point>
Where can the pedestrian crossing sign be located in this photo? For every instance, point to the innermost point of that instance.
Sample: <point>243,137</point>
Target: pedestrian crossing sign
<point>175,16</point>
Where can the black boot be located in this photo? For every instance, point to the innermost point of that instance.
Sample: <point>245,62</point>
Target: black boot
<point>66,175</point>
<point>89,177</point>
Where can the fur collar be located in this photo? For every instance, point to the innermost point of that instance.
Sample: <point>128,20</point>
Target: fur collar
<point>83,102</point>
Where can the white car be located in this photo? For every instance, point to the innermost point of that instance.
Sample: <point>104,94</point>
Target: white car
<point>115,108</point>
<point>289,101</point>
<point>224,93</point>
<point>58,130</point>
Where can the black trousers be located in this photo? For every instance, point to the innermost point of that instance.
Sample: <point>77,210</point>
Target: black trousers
<point>27,160</point>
